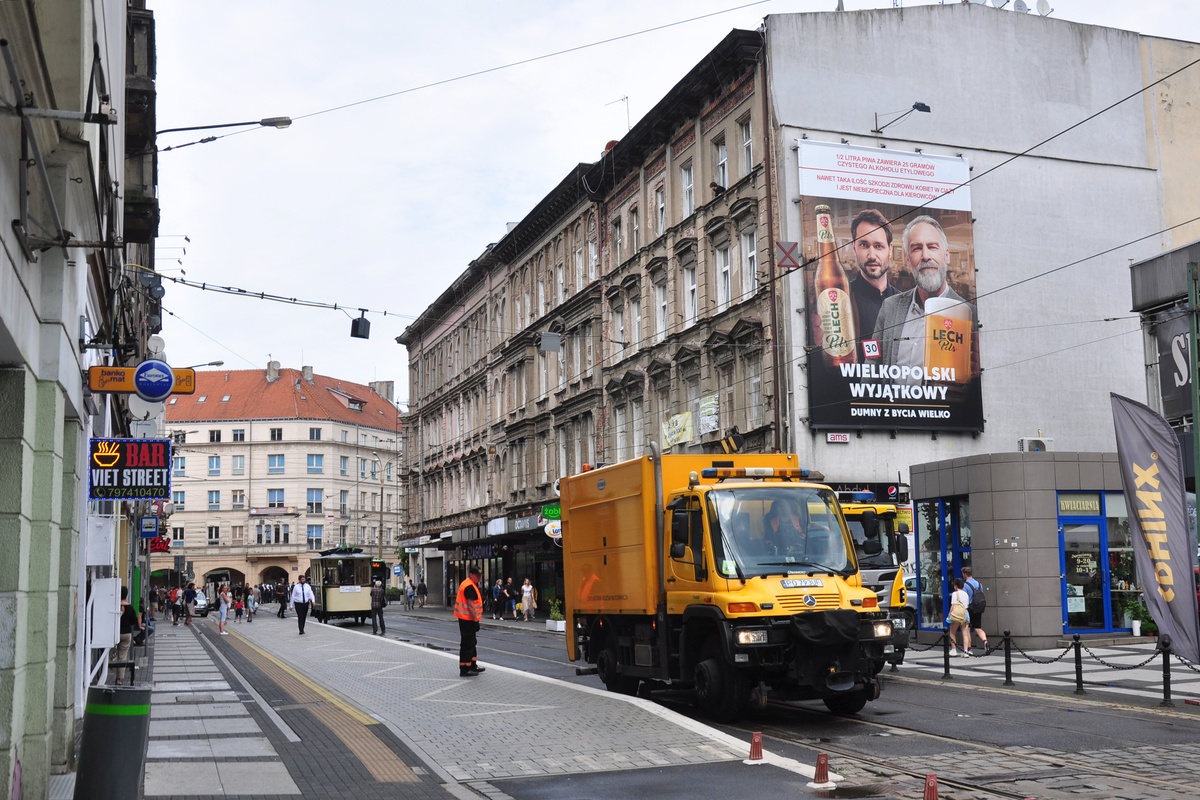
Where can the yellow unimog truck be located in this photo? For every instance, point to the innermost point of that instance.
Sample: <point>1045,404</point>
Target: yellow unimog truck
<point>732,576</point>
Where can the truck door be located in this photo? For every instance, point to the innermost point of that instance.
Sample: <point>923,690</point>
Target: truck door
<point>689,562</point>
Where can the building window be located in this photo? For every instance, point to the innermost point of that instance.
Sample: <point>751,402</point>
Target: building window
<point>720,163</point>
<point>362,468</point>
<point>237,535</point>
<point>177,498</point>
<point>275,498</point>
<point>239,435</point>
<point>660,211</point>
<point>635,321</point>
<point>314,434</point>
<point>560,283</point>
<point>660,311</point>
<point>344,502</point>
<point>201,398</point>
<point>617,242</point>
<point>214,535</point>
<point>214,501</point>
<point>689,295</point>
<point>225,398</point>
<point>239,465</point>
<point>275,464</point>
<point>578,269</point>
<point>315,534</point>
<point>214,465</point>
<point>316,462</point>
<point>345,437</point>
<point>214,436</point>
<point>180,437</point>
<point>238,498</point>
<point>276,434</point>
<point>177,535</point>
<point>344,465</point>
<point>593,260</point>
<point>635,233</point>
<point>315,506</point>
<point>724,286</point>
<point>618,323</point>
<point>688,189</point>
<point>750,261</point>
<point>179,465</point>
<point>747,140</point>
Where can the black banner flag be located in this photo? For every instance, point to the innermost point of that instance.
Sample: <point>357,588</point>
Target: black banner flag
<point>1152,476</point>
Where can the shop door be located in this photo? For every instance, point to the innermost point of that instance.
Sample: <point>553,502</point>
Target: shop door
<point>1085,578</point>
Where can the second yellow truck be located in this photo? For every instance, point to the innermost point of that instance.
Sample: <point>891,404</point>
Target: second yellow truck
<point>734,577</point>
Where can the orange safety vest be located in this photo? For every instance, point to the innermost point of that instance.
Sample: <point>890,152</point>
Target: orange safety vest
<point>468,609</point>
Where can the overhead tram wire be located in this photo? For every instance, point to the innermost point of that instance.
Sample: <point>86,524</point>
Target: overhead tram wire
<point>500,68</point>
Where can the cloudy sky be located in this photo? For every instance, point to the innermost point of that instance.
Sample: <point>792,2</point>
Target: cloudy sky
<point>381,203</point>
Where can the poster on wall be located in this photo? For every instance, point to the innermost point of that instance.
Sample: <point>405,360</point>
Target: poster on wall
<point>890,289</point>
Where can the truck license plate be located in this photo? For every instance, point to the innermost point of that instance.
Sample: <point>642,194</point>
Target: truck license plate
<point>801,583</point>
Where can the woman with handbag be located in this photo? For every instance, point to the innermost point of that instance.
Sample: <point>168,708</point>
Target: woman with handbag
<point>958,619</point>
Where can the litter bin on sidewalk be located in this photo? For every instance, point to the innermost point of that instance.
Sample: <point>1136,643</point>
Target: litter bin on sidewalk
<point>116,727</point>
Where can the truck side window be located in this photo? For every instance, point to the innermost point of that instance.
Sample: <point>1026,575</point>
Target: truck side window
<point>691,517</point>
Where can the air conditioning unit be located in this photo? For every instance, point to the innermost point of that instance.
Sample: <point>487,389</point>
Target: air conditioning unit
<point>1034,444</point>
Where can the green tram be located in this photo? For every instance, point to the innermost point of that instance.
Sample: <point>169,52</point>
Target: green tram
<point>342,578</point>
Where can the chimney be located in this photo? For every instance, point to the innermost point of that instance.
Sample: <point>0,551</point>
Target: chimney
<point>307,373</point>
<point>272,371</point>
<point>384,389</point>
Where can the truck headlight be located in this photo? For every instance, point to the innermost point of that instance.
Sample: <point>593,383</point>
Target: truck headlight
<point>752,636</point>
<point>883,630</point>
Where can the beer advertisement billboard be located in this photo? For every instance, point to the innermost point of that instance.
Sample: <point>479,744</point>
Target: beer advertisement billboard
<point>890,289</point>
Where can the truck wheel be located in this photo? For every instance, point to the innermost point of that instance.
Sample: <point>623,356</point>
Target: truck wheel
<point>847,703</point>
<point>614,681</point>
<point>910,619</point>
<point>721,690</point>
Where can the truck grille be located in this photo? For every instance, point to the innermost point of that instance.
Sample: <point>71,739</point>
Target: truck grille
<point>795,603</point>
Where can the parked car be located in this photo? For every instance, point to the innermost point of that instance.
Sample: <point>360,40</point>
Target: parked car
<point>201,604</point>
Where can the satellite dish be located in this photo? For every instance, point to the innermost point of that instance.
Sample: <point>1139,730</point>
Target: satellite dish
<point>144,410</point>
<point>1044,8</point>
<point>1020,7</point>
<point>999,3</point>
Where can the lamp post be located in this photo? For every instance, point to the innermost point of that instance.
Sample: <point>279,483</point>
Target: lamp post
<point>269,122</point>
<point>380,462</point>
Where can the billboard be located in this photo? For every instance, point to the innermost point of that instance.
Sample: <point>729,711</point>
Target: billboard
<point>129,469</point>
<point>892,325</point>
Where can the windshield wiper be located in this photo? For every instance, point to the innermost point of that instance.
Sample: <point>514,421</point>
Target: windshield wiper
<point>812,566</point>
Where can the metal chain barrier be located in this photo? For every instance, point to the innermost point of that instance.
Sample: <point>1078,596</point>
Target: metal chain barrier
<point>1153,656</point>
<point>1036,660</point>
<point>937,643</point>
<point>1185,662</point>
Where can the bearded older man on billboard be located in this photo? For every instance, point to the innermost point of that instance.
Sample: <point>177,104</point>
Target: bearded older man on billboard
<point>900,328</point>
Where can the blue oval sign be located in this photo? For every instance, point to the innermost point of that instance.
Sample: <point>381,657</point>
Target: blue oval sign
<point>153,380</point>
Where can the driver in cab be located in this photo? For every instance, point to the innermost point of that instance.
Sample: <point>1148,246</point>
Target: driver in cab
<point>784,528</point>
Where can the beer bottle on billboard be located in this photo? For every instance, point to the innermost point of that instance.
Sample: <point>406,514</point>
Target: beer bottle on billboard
<point>832,288</point>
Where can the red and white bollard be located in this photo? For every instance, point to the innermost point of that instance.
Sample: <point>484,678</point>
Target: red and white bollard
<point>931,790</point>
<point>821,774</point>
<point>756,756</point>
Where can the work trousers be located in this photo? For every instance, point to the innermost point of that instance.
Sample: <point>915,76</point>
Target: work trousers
<point>467,629</point>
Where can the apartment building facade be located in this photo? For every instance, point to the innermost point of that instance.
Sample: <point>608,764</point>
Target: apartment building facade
<point>272,466</point>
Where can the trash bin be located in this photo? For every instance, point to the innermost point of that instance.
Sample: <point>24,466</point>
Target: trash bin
<point>116,726</point>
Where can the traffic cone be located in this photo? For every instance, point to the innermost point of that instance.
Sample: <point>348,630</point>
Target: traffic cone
<point>755,748</point>
<point>931,790</point>
<point>822,774</point>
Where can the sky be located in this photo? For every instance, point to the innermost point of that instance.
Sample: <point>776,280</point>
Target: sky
<point>380,204</point>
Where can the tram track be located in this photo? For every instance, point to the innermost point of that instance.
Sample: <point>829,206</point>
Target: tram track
<point>1053,764</point>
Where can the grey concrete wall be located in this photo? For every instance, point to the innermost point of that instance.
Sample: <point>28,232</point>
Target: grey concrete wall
<point>1014,528</point>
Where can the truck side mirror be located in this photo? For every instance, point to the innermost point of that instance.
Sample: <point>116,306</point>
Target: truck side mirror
<point>870,524</point>
<point>872,546</point>
<point>902,543</point>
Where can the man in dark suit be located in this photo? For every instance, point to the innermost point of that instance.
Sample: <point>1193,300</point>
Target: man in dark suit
<point>900,327</point>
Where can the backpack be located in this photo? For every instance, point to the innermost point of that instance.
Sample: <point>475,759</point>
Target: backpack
<point>978,599</point>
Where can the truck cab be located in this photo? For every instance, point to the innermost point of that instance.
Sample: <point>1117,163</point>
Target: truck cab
<point>881,565</point>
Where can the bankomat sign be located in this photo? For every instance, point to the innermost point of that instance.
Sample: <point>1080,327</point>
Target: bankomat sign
<point>129,469</point>
<point>889,279</point>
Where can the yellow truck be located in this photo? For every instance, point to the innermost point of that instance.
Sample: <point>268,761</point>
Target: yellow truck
<point>882,569</point>
<point>732,576</point>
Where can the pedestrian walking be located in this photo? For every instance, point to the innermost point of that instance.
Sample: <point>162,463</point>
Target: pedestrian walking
<point>176,601</point>
<point>189,603</point>
<point>528,599</point>
<point>422,592</point>
<point>977,602</point>
<point>302,596</point>
<point>511,595</point>
<point>410,596</point>
<point>281,597</point>
<point>226,603</point>
<point>378,604</point>
<point>239,604</point>
<point>497,599</point>
<point>129,624</point>
<point>153,602</point>
<point>958,620</point>
<point>468,609</point>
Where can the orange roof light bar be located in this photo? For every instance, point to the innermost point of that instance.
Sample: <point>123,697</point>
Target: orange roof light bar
<point>785,473</point>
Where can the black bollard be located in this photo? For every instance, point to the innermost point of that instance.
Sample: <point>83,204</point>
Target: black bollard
<point>1164,644</point>
<point>1008,681</point>
<point>945,654</point>
<point>116,725</point>
<point>1078,665</point>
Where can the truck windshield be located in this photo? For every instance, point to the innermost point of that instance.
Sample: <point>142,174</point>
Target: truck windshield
<point>776,530</point>
<point>885,558</point>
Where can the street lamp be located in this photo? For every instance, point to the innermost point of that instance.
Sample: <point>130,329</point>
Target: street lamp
<point>209,364</point>
<point>269,122</point>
